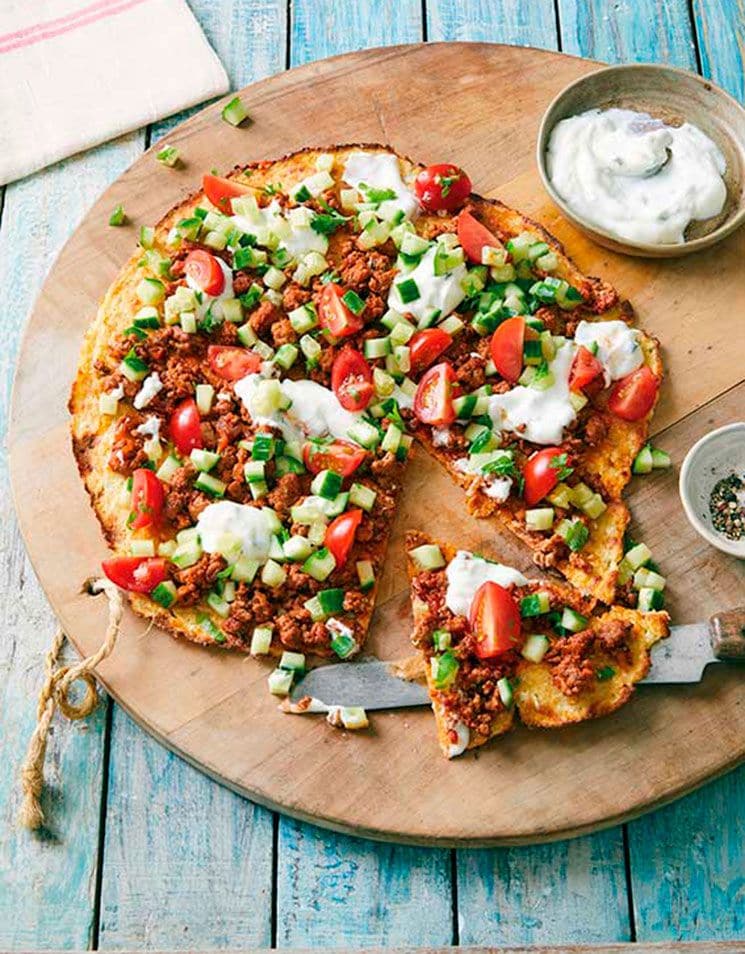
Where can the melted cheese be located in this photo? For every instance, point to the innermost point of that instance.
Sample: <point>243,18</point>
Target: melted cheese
<point>251,525</point>
<point>618,348</point>
<point>466,573</point>
<point>380,170</point>
<point>441,293</point>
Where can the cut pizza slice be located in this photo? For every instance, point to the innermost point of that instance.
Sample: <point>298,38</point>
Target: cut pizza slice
<point>499,647</point>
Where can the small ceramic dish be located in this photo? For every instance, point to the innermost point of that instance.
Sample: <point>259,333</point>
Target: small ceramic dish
<point>718,454</point>
<point>674,96</point>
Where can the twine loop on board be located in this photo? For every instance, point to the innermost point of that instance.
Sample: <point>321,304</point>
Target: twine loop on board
<point>54,694</point>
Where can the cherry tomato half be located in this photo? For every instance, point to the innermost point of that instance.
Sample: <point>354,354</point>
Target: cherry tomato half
<point>473,236</point>
<point>220,191</point>
<point>147,499</point>
<point>340,533</point>
<point>185,427</point>
<point>585,369</point>
<point>352,380</point>
<point>495,620</point>
<point>333,314</point>
<point>541,473</point>
<point>340,456</point>
<point>433,401</point>
<point>443,186</point>
<point>136,574</point>
<point>633,397</point>
<point>205,271</point>
<point>232,364</point>
<point>426,346</point>
<point>507,348</point>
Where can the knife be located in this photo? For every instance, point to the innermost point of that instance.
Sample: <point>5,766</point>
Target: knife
<point>372,684</point>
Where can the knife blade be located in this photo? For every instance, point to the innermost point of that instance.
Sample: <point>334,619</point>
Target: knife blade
<point>372,684</point>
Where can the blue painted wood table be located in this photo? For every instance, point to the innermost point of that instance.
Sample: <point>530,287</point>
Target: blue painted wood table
<point>151,854</point>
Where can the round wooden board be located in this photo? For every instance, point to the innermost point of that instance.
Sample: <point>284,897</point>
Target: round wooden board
<point>478,105</point>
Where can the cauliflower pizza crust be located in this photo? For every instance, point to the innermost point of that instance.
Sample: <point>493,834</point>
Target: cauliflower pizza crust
<point>583,663</point>
<point>247,394</point>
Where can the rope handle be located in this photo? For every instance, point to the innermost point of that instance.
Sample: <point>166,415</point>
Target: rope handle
<point>55,695</point>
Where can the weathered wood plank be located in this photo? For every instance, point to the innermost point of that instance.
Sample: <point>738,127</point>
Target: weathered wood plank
<point>332,889</point>
<point>322,28</point>
<point>571,891</point>
<point>687,871</point>
<point>337,891</point>
<point>186,862</point>
<point>46,882</point>
<point>494,21</point>
<point>647,31</point>
<point>720,27</point>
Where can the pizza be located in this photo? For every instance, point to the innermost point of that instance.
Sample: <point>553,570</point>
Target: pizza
<point>499,647</point>
<point>251,386</point>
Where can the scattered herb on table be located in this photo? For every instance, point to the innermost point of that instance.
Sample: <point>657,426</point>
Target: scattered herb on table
<point>727,506</point>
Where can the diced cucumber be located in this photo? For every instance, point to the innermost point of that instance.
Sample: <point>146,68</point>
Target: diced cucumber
<point>205,394</point>
<point>643,462</point>
<point>541,518</point>
<point>650,599</point>
<point>235,112</point>
<point>168,468</point>
<point>560,496</point>
<point>660,459</point>
<point>504,688</point>
<point>594,507</point>
<point>286,356</point>
<point>572,620</point>
<point>276,550</point>
<point>215,602</point>
<point>280,682</point>
<point>142,548</point>
<point>574,532</point>
<point>344,645</point>
<point>320,564</point>
<point>427,557</point>
<point>261,641</point>
<point>638,555</point>
<point>203,460</point>
<point>441,640</point>
<point>648,579</point>
<point>331,601</point>
<point>535,648</point>
<point>353,717</point>
<point>311,349</point>
<point>362,496</point>
<point>367,435</point>
<point>245,570</point>
<point>209,627</point>
<point>391,439</point>
<point>210,485</point>
<point>580,494</point>
<point>366,575</point>
<point>272,574</point>
<point>444,669</point>
<point>132,367</point>
<point>164,593</point>
<point>625,572</point>
<point>293,662</point>
<point>327,483</point>
<point>262,447</point>
<point>535,604</point>
<point>297,548</point>
<point>186,555</point>
<point>303,318</point>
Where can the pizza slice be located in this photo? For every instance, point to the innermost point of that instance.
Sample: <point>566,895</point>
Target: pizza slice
<point>499,647</point>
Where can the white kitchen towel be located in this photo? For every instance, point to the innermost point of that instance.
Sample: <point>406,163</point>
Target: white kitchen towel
<point>74,73</point>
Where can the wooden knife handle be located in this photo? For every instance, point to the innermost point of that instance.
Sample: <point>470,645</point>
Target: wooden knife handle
<point>728,634</point>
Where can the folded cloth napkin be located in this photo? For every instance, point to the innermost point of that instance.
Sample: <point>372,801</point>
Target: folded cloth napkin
<point>74,73</point>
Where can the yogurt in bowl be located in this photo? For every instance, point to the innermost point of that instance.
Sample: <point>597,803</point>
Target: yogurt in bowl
<point>636,176</point>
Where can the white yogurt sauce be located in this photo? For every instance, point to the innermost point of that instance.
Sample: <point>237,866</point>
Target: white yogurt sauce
<point>466,573</point>
<point>380,170</point>
<point>618,348</point>
<point>464,737</point>
<point>442,293</point>
<point>538,416</point>
<point>150,387</point>
<point>612,167</point>
<point>314,412</point>
<point>251,525</point>
<point>498,488</point>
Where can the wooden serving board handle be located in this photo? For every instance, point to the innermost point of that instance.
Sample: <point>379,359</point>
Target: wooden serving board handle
<point>728,634</point>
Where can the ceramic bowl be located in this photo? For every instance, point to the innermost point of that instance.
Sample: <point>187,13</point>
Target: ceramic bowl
<point>674,96</point>
<point>716,455</point>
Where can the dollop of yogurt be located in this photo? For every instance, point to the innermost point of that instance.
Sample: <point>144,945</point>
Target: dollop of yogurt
<point>380,170</point>
<point>618,348</point>
<point>251,525</point>
<point>634,176</point>
<point>465,574</point>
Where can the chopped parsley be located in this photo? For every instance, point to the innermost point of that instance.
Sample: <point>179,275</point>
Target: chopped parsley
<point>376,196</point>
<point>560,465</point>
<point>326,223</point>
<point>272,188</point>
